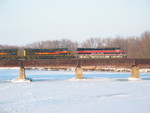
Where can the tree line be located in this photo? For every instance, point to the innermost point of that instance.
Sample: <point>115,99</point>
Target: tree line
<point>134,46</point>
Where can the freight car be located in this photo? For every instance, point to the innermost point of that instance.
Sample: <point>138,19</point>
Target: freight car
<point>114,52</point>
<point>58,53</point>
<point>8,54</point>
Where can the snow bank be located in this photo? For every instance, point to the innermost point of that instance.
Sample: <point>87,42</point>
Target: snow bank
<point>20,80</point>
<point>10,68</point>
<point>89,95</point>
<point>132,78</point>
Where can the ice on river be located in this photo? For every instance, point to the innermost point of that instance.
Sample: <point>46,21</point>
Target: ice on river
<point>59,92</point>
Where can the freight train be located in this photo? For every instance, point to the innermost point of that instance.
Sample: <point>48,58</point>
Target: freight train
<point>62,53</point>
<point>58,53</point>
<point>6,54</point>
<point>115,52</point>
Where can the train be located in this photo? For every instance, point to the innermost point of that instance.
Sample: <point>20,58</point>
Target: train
<point>113,52</point>
<point>58,53</point>
<point>6,54</point>
<point>62,53</point>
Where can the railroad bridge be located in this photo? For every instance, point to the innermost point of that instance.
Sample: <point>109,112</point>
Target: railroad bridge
<point>79,64</point>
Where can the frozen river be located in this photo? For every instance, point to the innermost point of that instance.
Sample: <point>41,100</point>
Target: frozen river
<point>59,92</point>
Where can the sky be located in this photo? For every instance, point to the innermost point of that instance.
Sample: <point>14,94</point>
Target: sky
<point>26,21</point>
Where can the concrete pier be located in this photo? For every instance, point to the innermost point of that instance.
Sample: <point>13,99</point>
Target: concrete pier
<point>79,73</point>
<point>22,76</point>
<point>22,73</point>
<point>135,74</point>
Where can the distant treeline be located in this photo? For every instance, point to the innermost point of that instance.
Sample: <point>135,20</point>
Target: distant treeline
<point>135,47</point>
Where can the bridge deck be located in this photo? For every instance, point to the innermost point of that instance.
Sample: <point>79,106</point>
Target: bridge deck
<point>76,62</point>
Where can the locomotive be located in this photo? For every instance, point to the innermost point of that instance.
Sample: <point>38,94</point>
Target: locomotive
<point>6,54</point>
<point>58,53</point>
<point>62,53</point>
<point>113,52</point>
<point>15,54</point>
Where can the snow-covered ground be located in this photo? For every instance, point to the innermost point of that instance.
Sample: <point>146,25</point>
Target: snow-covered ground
<point>59,92</point>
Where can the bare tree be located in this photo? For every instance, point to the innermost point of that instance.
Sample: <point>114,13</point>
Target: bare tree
<point>92,43</point>
<point>135,47</point>
<point>145,45</point>
<point>64,43</point>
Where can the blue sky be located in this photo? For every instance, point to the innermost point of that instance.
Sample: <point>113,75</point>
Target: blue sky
<point>27,21</point>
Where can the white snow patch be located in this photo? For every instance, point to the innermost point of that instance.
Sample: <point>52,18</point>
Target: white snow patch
<point>89,79</point>
<point>9,68</point>
<point>89,95</point>
<point>132,78</point>
<point>20,80</point>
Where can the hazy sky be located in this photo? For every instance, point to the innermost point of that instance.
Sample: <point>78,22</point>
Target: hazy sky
<point>27,21</point>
